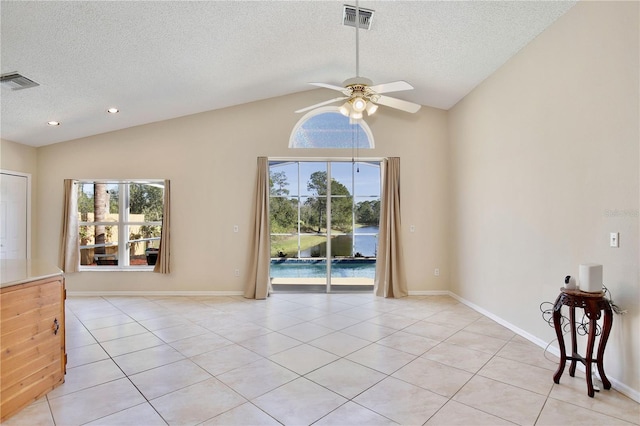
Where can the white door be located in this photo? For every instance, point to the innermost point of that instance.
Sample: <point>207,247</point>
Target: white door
<point>14,190</point>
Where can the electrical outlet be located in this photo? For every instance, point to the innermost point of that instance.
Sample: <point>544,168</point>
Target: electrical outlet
<point>412,228</point>
<point>236,272</point>
<point>235,228</point>
<point>436,272</point>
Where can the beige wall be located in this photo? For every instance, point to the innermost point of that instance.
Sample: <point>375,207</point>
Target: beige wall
<point>211,161</point>
<point>16,157</point>
<point>545,165</point>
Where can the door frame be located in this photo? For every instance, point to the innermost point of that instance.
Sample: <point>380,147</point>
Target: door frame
<point>28,177</point>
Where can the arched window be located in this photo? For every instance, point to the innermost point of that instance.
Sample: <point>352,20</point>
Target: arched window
<point>327,128</point>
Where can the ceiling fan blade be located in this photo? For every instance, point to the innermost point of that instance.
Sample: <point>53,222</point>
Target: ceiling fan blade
<point>329,86</point>
<point>332,87</point>
<point>395,86</point>
<point>341,98</point>
<point>398,104</point>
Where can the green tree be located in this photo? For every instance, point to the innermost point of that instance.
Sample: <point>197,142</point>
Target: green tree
<point>341,202</point>
<point>282,210</point>
<point>147,200</point>
<point>85,204</point>
<point>368,212</point>
<point>278,183</point>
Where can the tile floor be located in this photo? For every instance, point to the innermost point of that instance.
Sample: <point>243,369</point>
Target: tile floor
<point>296,359</point>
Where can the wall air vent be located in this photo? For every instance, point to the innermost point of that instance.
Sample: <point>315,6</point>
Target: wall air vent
<point>349,17</point>
<point>15,81</point>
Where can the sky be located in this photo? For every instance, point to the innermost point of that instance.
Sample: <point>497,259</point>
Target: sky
<point>362,179</point>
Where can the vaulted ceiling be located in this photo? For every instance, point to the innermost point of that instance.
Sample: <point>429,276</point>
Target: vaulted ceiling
<point>165,59</point>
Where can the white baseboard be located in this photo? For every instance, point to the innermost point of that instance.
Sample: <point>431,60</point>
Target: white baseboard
<point>504,323</point>
<point>152,293</point>
<point>429,293</point>
<point>616,384</point>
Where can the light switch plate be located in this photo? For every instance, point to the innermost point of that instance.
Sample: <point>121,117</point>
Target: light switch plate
<point>614,239</point>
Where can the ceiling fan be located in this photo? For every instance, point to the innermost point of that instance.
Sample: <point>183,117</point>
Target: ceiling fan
<point>361,95</point>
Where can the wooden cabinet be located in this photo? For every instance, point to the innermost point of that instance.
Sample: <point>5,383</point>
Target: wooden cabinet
<point>33,358</point>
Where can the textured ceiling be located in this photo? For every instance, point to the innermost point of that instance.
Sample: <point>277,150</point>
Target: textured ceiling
<point>159,60</point>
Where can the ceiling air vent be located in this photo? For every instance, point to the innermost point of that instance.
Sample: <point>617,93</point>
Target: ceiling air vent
<point>349,17</point>
<point>15,81</point>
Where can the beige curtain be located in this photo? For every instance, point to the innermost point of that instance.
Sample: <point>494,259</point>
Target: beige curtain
<point>258,285</point>
<point>390,275</point>
<point>163,264</point>
<point>69,241</point>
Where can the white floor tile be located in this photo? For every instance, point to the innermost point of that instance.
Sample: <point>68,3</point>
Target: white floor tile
<point>339,343</point>
<point>302,359</point>
<point>85,355</point>
<point>382,358</point>
<point>245,414</point>
<point>200,344</point>
<point>197,403</point>
<point>86,376</point>
<point>458,356</point>
<point>129,344</point>
<point>300,402</point>
<point>557,412</point>
<point>502,400</point>
<point>345,377</point>
<point>168,378</point>
<point>147,359</point>
<point>401,402</point>
<point>306,331</point>
<point>143,414</point>
<point>257,378</point>
<point>353,414</point>
<point>225,359</point>
<point>433,376</point>
<point>96,402</point>
<point>456,414</point>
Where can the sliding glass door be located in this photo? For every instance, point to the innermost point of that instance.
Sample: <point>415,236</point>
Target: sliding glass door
<point>324,224</point>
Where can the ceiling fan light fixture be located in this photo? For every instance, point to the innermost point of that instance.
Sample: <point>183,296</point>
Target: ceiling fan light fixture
<point>358,104</point>
<point>371,108</point>
<point>356,115</point>
<point>345,109</point>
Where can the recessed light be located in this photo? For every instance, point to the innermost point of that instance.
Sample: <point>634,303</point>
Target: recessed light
<point>53,123</point>
<point>113,110</point>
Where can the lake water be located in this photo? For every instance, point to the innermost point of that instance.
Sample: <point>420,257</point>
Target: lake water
<point>366,244</point>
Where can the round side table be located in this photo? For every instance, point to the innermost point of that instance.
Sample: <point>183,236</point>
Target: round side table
<point>594,304</point>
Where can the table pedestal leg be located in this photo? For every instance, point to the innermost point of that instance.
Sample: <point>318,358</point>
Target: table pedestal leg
<point>574,341</point>
<point>557,320</point>
<point>606,329</point>
<point>588,362</point>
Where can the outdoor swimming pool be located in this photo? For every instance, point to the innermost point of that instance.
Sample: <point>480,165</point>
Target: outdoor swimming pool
<point>317,268</point>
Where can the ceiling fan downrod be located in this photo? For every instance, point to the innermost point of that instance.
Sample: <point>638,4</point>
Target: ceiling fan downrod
<point>357,39</point>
